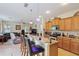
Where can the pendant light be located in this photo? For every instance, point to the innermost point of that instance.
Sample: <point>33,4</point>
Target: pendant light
<point>30,17</point>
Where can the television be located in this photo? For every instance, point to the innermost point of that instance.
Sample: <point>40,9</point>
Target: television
<point>34,31</point>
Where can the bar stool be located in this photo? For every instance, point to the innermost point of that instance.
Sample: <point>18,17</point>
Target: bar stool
<point>34,49</point>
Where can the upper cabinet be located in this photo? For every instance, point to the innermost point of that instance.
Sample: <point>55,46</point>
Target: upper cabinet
<point>48,26</point>
<point>65,24</point>
<point>75,23</point>
<point>68,23</point>
<point>56,21</point>
<point>61,25</point>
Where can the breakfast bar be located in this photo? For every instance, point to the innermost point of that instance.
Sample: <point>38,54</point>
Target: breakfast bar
<point>51,48</point>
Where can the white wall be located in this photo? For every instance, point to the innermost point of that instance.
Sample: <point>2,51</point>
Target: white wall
<point>68,14</point>
<point>23,26</point>
<point>12,24</point>
<point>0,26</point>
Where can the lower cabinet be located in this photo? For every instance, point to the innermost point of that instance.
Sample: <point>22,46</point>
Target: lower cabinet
<point>69,44</point>
<point>53,50</point>
<point>74,46</point>
<point>60,42</point>
<point>66,43</point>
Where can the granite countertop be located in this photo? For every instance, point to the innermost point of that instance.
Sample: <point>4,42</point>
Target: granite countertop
<point>76,38</point>
<point>46,40</point>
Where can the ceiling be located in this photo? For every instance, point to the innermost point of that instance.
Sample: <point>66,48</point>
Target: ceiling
<point>17,11</point>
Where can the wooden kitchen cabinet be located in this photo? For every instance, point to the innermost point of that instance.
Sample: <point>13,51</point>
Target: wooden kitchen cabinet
<point>68,23</point>
<point>75,46</point>
<point>53,50</point>
<point>75,23</point>
<point>56,21</point>
<point>66,43</point>
<point>48,26</point>
<point>61,25</point>
<point>65,24</point>
<point>60,42</point>
<point>69,44</point>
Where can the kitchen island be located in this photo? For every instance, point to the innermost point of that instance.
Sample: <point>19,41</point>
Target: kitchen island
<point>51,49</point>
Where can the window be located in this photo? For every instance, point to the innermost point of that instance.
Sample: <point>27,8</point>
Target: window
<point>7,28</point>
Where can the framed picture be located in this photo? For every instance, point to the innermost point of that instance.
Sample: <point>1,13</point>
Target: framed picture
<point>18,27</point>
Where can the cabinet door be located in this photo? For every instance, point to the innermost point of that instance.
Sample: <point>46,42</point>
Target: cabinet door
<point>53,50</point>
<point>48,26</point>
<point>68,24</point>
<point>74,47</point>
<point>56,21</point>
<point>60,42</point>
<point>61,25</point>
<point>66,43</point>
<point>75,22</point>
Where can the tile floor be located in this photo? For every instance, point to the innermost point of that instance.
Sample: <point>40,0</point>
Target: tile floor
<point>9,49</point>
<point>62,52</point>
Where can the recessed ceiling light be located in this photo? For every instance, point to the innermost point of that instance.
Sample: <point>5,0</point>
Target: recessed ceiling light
<point>40,16</point>
<point>47,12</point>
<point>30,22</point>
<point>37,19</point>
<point>64,4</point>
